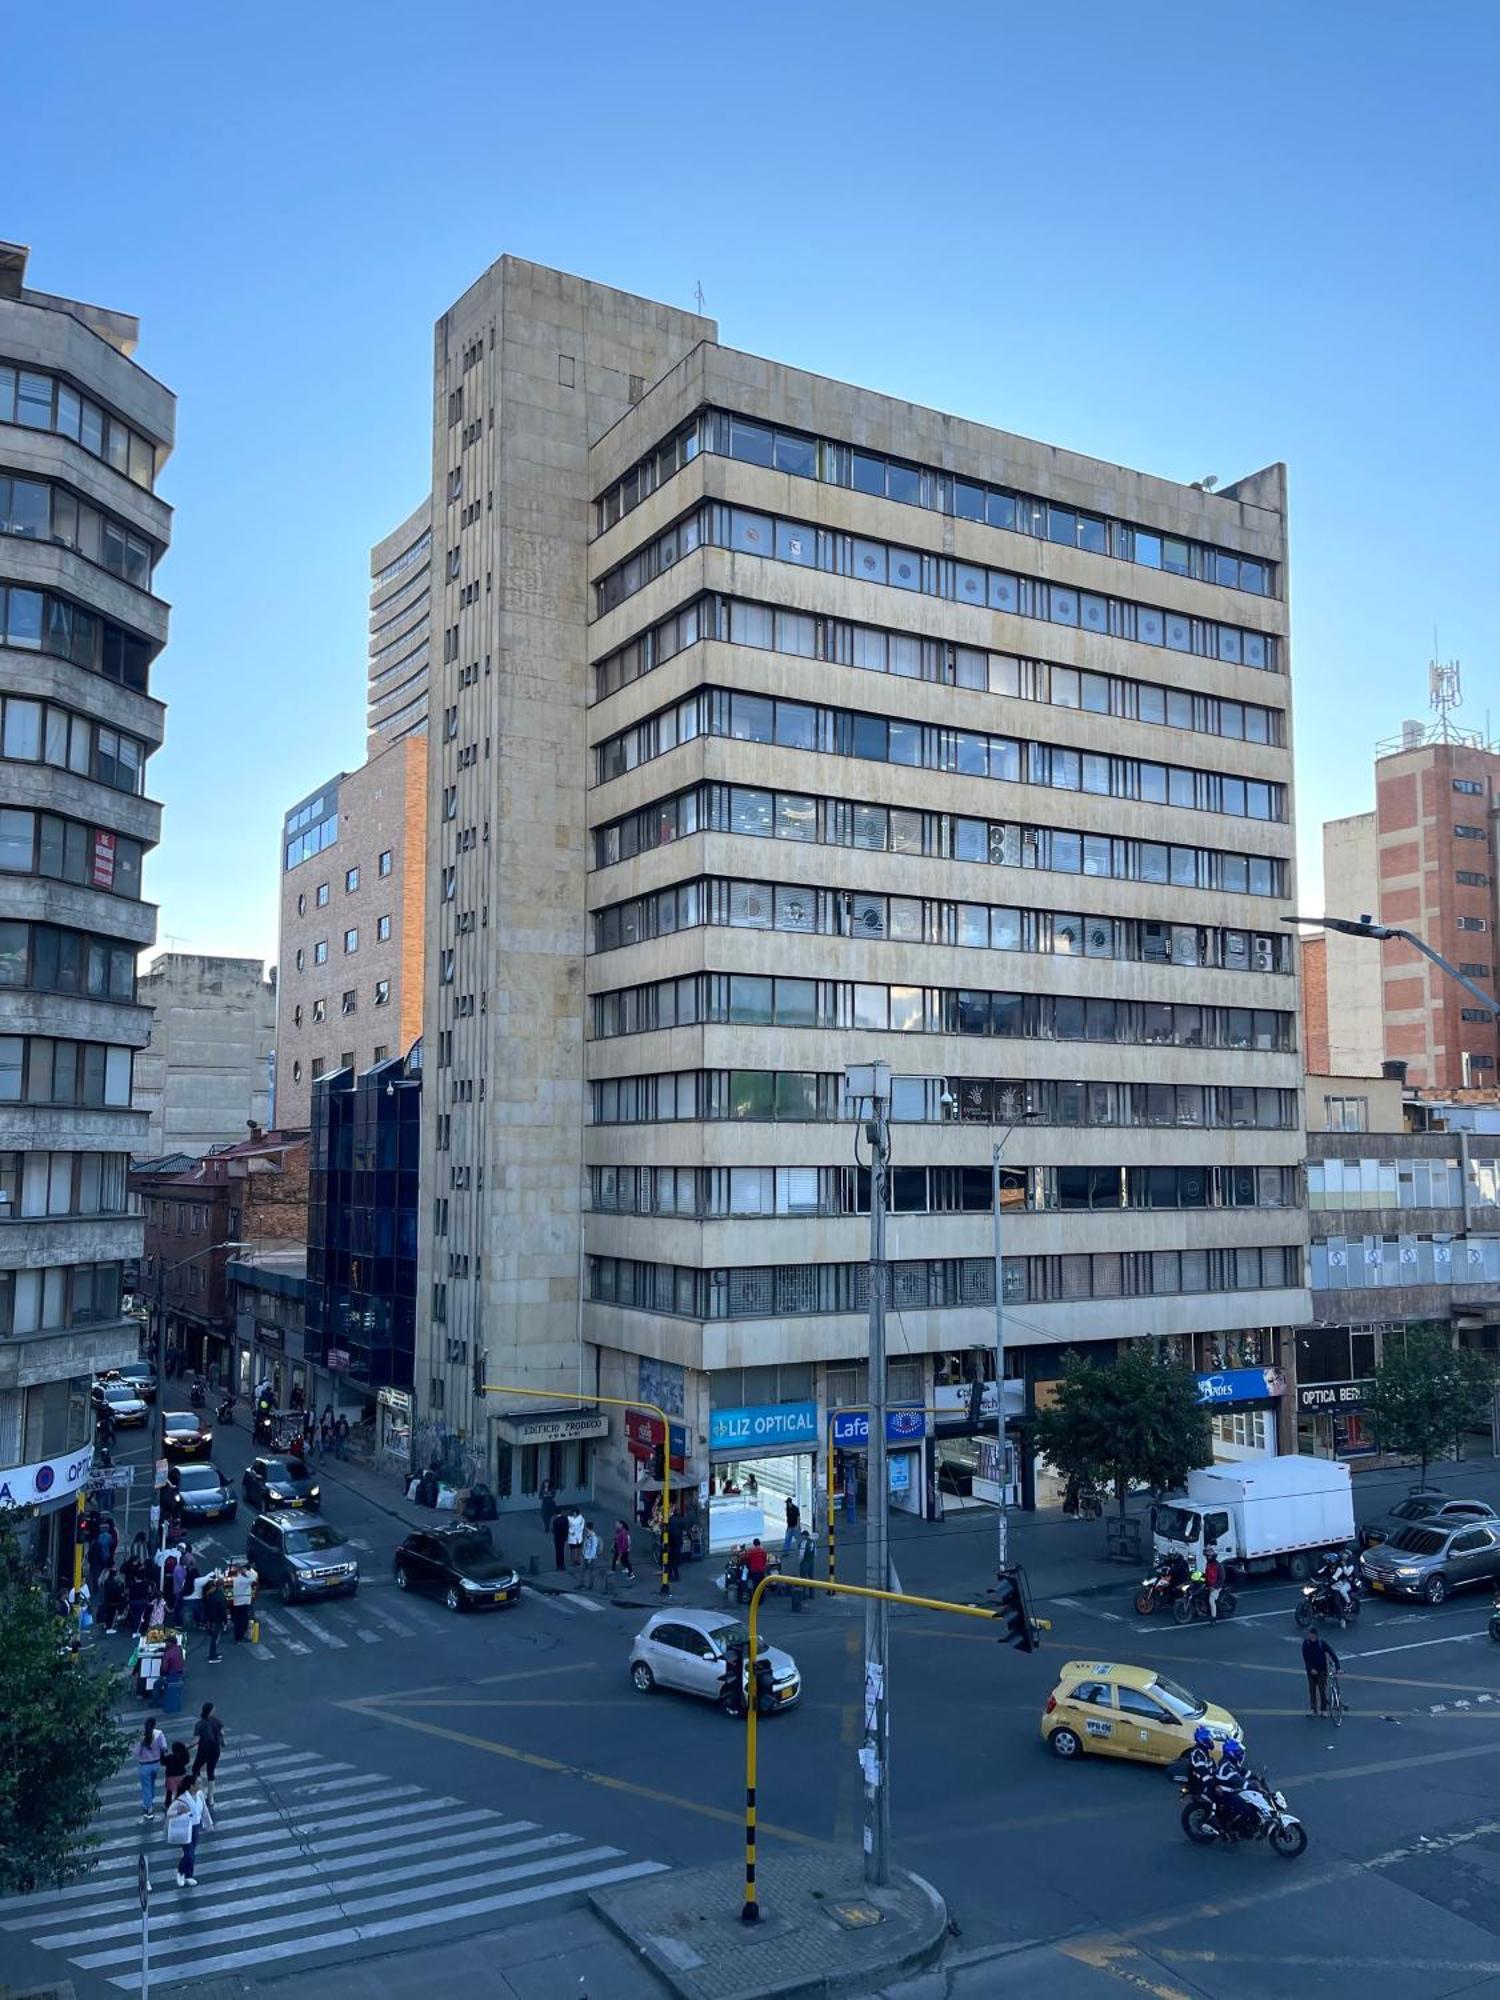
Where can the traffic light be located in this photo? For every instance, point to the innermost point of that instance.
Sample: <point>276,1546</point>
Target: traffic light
<point>1009,1594</point>
<point>658,1461</point>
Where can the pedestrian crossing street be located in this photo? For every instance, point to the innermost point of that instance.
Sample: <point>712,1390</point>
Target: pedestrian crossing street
<point>308,1856</point>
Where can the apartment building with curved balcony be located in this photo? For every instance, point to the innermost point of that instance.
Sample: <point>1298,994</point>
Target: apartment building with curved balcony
<point>400,604</point>
<point>84,432</point>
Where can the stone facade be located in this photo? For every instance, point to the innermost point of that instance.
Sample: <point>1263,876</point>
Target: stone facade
<point>1351,888</point>
<point>84,432</point>
<point>339,1008</point>
<point>205,1074</point>
<point>548,392</point>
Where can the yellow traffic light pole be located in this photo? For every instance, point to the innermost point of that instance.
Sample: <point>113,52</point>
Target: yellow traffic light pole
<point>618,1403</point>
<point>750,1906</point>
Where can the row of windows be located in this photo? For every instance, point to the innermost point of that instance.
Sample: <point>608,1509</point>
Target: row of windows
<point>820,1097</point>
<point>831,822</point>
<point>37,732</point>
<point>45,513</point>
<point>408,559</point>
<point>62,1295</point>
<point>933,1190</point>
<point>351,884</point>
<point>1369,1262</point>
<point>37,1184</point>
<point>746,999</point>
<point>40,402</point>
<point>876,649</point>
<point>39,621</point>
<point>66,850</point>
<point>351,945</point>
<point>48,959</point>
<point>794,907</point>
<point>807,457</point>
<point>35,1069</point>
<point>719,526</point>
<point>926,746</point>
<point>1401,1183</point>
<point>768,1291</point>
<point>303,846</point>
<point>348,1003</point>
<point>1471,786</point>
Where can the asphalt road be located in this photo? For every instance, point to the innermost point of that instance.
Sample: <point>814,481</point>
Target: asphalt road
<point>406,1790</point>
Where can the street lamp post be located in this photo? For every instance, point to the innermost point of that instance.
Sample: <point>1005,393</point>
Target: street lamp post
<point>1366,927</point>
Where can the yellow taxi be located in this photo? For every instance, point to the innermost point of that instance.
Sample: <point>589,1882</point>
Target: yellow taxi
<point>1111,1710</point>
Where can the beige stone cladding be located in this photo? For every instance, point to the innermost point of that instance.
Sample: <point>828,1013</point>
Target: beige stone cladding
<point>1249,519</point>
<point>530,366</point>
<point>363,1002</point>
<point>400,629</point>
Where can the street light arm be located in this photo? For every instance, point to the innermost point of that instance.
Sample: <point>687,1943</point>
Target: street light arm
<point>1366,927</point>
<point>1477,992</point>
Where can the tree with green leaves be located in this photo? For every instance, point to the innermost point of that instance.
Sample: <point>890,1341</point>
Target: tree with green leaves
<point>1425,1392</point>
<point>1136,1422</point>
<point>58,1739</point>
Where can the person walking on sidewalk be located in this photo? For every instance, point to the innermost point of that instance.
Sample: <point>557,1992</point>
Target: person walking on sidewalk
<point>340,1436</point>
<point>187,1813</point>
<point>793,1526</point>
<point>549,1506</point>
<point>590,1557</point>
<point>174,1769</point>
<point>560,1538</point>
<point>215,1616</point>
<point>208,1735</point>
<point>149,1752</point>
<point>575,1536</point>
<point>674,1546</point>
<point>242,1582</point>
<point>620,1555</point>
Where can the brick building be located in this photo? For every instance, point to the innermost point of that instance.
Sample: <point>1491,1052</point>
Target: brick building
<point>1315,1002</point>
<point>254,1192</point>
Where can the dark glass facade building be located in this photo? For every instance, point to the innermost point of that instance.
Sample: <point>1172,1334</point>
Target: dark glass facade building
<point>362,1222</point>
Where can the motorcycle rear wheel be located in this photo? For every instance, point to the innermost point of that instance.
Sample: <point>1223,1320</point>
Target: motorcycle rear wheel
<point>1303,1614</point>
<point>1182,1610</point>
<point>1289,1841</point>
<point>1228,1603</point>
<point>1198,1824</point>
<point>1145,1603</point>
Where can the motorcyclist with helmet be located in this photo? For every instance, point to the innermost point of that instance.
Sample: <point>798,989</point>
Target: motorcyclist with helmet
<point>1226,1789</point>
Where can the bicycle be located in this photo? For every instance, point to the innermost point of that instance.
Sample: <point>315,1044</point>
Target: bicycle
<point>1336,1706</point>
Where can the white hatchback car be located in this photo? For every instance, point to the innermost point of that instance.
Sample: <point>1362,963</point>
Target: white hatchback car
<point>685,1650</point>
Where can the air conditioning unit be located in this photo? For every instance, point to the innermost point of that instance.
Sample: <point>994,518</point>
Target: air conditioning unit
<point>1265,954</point>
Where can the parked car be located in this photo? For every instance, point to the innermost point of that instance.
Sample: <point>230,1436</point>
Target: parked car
<point>459,1564</point>
<point>1423,1503</point>
<point>301,1558</point>
<point>137,1375</point>
<point>121,1401</point>
<point>201,1493</point>
<point>1112,1710</point>
<point>686,1650</point>
<point>1430,1559</point>
<point>185,1434</point>
<point>270,1483</point>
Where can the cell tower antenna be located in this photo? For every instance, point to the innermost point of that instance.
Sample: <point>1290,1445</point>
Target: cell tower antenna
<point>1445,690</point>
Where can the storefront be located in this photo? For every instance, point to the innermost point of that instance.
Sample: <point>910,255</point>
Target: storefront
<point>759,1458</point>
<point>905,1435</point>
<point>1333,1421</point>
<point>554,1445</point>
<point>393,1425</point>
<point>643,1441</point>
<point>1243,1406</point>
<point>41,1500</point>
<point>966,1455</point>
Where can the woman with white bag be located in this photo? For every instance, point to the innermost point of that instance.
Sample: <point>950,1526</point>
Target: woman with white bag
<point>187,1816</point>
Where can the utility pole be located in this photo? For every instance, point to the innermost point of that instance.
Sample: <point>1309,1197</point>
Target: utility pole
<point>1002,1525</point>
<point>873,1080</point>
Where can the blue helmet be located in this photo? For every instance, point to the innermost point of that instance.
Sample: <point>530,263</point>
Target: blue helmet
<point>1203,1736</point>
<point>1232,1751</point>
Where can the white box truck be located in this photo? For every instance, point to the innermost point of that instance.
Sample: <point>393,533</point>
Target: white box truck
<point>1262,1514</point>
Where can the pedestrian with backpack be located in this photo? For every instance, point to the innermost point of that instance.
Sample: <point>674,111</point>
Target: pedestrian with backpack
<point>215,1616</point>
<point>208,1735</point>
<point>149,1752</point>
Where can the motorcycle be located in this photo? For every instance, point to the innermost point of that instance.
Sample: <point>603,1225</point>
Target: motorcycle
<point>1192,1601</point>
<point>225,1412</point>
<point>1157,1590</point>
<point>198,1394</point>
<point>1321,1600</point>
<point>1206,1818</point>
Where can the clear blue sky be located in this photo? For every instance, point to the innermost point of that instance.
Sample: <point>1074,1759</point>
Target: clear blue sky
<point>1193,239</point>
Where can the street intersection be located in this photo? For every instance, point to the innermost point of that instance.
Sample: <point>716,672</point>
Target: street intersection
<point>401,1782</point>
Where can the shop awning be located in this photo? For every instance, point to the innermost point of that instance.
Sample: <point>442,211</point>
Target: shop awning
<point>551,1426</point>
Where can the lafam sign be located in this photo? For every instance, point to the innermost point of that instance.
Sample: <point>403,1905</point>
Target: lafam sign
<point>47,1482</point>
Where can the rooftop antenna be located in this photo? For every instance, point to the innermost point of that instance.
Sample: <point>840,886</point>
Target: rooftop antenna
<point>698,296</point>
<point>1444,690</point>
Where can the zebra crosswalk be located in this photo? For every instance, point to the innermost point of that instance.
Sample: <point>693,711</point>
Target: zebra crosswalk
<point>308,1856</point>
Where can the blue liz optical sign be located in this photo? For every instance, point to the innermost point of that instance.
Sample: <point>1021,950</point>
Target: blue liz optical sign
<point>851,1428</point>
<point>763,1425</point>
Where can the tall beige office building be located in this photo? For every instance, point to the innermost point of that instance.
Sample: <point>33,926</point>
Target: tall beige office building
<point>84,432</point>
<point>400,603</point>
<point>779,725</point>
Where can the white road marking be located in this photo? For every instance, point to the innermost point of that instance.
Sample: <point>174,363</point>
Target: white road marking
<point>284,1633</point>
<point>389,1621</point>
<point>1415,1645</point>
<point>319,1631</point>
<point>551,1600</point>
<point>585,1603</point>
<point>370,1638</point>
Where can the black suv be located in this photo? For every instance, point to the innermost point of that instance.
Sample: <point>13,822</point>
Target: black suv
<point>462,1565</point>
<point>273,1483</point>
<point>302,1558</point>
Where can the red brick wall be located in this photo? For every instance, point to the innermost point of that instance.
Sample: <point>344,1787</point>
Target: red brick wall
<point>1315,1005</point>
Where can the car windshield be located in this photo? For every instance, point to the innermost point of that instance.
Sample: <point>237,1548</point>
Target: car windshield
<point>179,1420</point>
<point>1182,1704</point>
<point>474,1555</point>
<point>725,1636</point>
<point>119,1392</point>
<point>1414,1510</point>
<point>1174,1524</point>
<point>197,1479</point>
<point>288,1470</point>
<point>1417,1541</point>
<point>307,1541</point>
